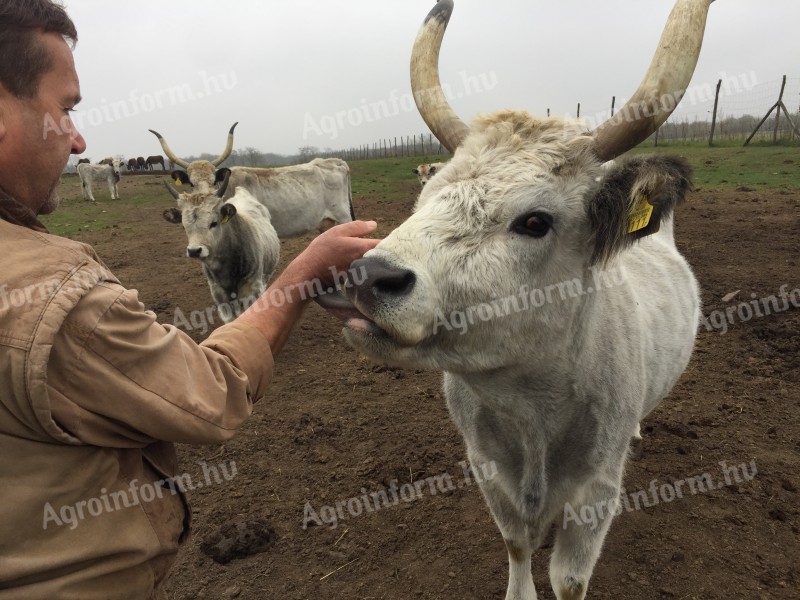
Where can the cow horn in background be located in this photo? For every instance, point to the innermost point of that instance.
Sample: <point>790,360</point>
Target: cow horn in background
<point>224,185</point>
<point>663,85</point>
<point>227,152</point>
<point>170,154</point>
<point>425,84</point>
<point>175,193</point>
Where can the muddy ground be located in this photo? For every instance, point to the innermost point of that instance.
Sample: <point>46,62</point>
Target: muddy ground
<point>336,426</point>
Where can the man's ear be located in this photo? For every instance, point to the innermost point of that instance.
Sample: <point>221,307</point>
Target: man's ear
<point>228,211</point>
<point>172,215</point>
<point>634,198</point>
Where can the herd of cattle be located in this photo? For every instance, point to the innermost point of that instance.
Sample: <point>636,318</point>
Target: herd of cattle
<point>553,392</point>
<point>237,215</point>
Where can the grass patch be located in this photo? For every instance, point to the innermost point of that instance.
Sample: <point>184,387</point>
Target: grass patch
<point>75,215</point>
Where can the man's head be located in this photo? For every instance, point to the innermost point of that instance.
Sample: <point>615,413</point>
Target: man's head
<point>38,88</point>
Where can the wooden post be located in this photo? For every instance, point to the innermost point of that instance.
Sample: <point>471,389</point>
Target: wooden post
<point>613,101</point>
<point>656,140</point>
<point>778,112</point>
<point>714,115</point>
<point>578,116</point>
<point>548,112</point>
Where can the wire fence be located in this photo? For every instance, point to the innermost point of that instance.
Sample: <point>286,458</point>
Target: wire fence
<point>741,104</point>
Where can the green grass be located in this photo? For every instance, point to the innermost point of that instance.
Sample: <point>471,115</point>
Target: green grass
<point>727,167</point>
<point>385,176</point>
<point>76,215</point>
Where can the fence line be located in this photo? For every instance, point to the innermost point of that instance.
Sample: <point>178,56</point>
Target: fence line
<point>731,111</point>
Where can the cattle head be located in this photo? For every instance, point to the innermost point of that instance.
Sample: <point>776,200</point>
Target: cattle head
<point>116,165</point>
<point>479,273</point>
<point>203,215</point>
<point>199,173</point>
<point>425,171</point>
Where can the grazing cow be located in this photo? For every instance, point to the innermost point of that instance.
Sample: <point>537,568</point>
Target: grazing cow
<point>132,165</point>
<point>109,173</point>
<point>235,241</point>
<point>550,292</point>
<point>141,164</point>
<point>425,171</point>
<point>155,160</point>
<point>300,198</point>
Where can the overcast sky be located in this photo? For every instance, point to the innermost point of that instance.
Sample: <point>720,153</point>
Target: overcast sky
<point>336,74</point>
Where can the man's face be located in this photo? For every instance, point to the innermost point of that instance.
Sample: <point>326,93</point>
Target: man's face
<point>37,135</point>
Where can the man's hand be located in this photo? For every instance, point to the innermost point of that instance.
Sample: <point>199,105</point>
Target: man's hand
<point>279,307</point>
<point>337,247</point>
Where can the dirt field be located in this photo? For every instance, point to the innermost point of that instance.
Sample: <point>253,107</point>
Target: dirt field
<point>337,427</point>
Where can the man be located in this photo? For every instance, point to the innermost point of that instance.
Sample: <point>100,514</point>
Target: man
<point>93,391</point>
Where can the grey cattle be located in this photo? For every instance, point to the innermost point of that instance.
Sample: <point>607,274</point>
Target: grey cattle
<point>235,241</point>
<point>109,173</point>
<point>300,198</point>
<point>549,291</point>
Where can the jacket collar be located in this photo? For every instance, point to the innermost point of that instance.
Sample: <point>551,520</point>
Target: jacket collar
<point>17,213</point>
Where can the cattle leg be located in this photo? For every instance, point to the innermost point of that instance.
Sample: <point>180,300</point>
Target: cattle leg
<point>580,536</point>
<point>112,187</point>
<point>87,191</point>
<point>517,539</point>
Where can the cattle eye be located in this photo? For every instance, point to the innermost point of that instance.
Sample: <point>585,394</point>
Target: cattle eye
<point>213,224</point>
<point>535,224</point>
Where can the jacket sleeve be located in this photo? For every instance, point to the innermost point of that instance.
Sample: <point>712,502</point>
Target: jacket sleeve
<point>118,378</point>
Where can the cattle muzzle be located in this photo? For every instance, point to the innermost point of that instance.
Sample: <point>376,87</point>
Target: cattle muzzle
<point>380,283</point>
<point>194,252</point>
<point>371,283</point>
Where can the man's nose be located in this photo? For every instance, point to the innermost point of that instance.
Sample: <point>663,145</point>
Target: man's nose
<point>78,144</point>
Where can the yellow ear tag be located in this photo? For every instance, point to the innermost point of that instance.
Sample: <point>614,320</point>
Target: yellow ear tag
<point>178,182</point>
<point>640,215</point>
<point>225,219</point>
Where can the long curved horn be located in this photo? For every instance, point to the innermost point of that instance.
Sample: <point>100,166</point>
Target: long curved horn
<point>228,148</point>
<point>170,154</point>
<point>425,84</point>
<point>663,85</point>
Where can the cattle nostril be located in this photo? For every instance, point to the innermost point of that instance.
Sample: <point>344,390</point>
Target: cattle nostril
<point>193,252</point>
<point>397,283</point>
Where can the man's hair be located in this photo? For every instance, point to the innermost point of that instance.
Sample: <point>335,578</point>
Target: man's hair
<point>24,59</point>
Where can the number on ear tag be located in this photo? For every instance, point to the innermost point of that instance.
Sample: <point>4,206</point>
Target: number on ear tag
<point>640,215</point>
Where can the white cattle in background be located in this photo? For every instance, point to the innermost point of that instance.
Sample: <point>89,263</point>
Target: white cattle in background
<point>425,171</point>
<point>300,198</point>
<point>109,173</point>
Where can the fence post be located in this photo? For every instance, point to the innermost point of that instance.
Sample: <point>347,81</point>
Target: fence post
<point>613,101</point>
<point>778,112</point>
<point>578,116</point>
<point>714,115</point>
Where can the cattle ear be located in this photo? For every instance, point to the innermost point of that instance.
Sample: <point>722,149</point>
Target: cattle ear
<point>634,198</point>
<point>416,171</point>
<point>181,177</point>
<point>220,175</point>
<point>172,215</point>
<point>228,211</point>
<point>432,170</point>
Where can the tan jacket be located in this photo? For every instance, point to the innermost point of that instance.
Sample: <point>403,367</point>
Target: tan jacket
<point>93,391</point>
